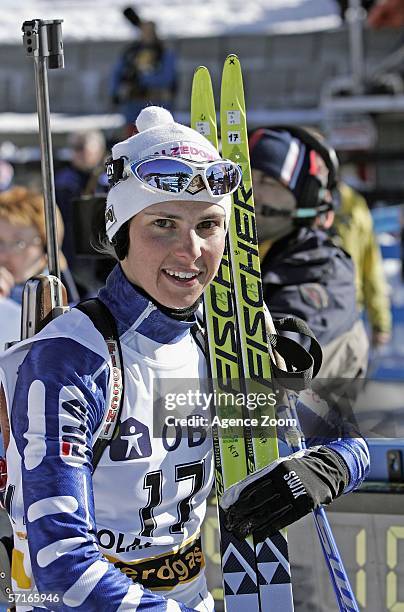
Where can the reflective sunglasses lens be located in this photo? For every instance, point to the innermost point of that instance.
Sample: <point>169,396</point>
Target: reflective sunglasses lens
<point>165,174</point>
<point>223,178</point>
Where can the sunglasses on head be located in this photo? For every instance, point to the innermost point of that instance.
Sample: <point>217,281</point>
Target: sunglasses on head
<point>172,175</point>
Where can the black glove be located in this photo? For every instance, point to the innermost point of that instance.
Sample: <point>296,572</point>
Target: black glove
<point>283,492</point>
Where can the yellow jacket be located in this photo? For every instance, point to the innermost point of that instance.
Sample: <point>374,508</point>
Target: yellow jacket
<point>355,234</point>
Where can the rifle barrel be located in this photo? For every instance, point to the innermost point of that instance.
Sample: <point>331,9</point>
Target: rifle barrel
<point>43,41</point>
<point>48,181</point>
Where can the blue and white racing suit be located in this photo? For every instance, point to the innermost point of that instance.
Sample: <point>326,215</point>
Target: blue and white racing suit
<point>92,538</point>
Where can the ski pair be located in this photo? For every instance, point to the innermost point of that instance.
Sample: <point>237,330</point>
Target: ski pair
<point>256,576</point>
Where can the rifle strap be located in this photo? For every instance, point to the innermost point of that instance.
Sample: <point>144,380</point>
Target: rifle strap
<point>104,322</point>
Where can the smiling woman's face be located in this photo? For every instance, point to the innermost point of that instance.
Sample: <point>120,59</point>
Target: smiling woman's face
<point>175,250</point>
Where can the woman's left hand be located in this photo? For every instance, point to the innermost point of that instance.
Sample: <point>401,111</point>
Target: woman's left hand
<point>286,490</point>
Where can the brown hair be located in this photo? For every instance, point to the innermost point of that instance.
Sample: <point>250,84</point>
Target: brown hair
<point>22,206</point>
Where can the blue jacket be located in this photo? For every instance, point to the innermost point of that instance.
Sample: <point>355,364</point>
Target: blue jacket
<point>306,275</point>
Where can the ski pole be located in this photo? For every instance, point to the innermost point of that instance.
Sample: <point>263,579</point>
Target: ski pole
<point>338,575</point>
<point>339,578</point>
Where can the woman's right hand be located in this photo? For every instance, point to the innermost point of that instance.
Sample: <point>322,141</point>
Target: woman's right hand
<point>6,282</point>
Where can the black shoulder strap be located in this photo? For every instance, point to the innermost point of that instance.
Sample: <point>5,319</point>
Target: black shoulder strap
<point>199,333</point>
<point>103,320</point>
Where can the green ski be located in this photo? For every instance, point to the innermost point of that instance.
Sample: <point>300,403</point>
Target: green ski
<point>241,589</point>
<point>262,447</point>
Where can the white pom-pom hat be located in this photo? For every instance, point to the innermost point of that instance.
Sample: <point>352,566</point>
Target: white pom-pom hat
<point>158,134</point>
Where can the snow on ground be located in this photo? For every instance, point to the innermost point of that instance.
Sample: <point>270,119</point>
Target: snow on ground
<point>103,20</point>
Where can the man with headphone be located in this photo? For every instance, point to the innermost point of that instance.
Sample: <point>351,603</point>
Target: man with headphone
<point>305,275</point>
<point>304,272</point>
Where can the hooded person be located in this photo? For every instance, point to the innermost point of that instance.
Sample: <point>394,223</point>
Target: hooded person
<point>126,535</point>
<point>304,273</point>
